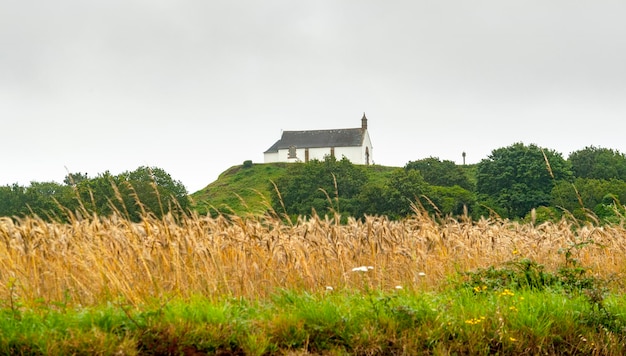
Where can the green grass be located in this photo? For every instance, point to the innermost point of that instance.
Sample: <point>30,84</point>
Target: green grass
<point>242,191</point>
<point>456,320</point>
<point>239,190</point>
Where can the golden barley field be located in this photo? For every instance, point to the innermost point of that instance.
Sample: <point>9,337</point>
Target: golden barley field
<point>96,259</point>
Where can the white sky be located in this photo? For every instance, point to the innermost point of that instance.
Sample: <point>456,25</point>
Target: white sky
<point>195,87</point>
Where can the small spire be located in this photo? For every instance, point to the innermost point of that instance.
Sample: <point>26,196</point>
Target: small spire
<point>364,122</point>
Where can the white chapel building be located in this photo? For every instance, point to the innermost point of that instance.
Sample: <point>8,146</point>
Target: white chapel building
<point>302,146</point>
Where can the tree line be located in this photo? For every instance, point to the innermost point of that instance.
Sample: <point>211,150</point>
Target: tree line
<point>132,194</point>
<point>516,182</point>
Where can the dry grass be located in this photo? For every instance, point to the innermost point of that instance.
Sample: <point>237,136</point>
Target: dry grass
<point>104,259</point>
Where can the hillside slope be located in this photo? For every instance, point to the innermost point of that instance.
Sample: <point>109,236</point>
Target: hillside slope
<point>239,190</point>
<point>246,190</point>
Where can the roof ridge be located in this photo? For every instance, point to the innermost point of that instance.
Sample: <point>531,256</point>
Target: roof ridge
<point>345,128</point>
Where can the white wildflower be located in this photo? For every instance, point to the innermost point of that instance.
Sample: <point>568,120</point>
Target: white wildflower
<point>362,269</point>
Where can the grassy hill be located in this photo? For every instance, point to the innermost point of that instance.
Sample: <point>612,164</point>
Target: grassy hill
<point>240,189</point>
<point>246,190</point>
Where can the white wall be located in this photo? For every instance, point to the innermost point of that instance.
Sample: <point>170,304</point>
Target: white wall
<point>353,154</point>
<point>367,143</point>
<point>270,157</point>
<point>356,155</point>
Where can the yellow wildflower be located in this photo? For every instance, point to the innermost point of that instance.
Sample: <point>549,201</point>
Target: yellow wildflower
<point>507,292</point>
<point>475,321</point>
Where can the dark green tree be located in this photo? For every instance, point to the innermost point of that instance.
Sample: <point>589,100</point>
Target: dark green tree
<point>133,193</point>
<point>373,200</point>
<point>519,177</point>
<point>585,196</point>
<point>405,189</point>
<point>97,195</point>
<point>151,190</point>
<point>441,173</point>
<point>329,185</point>
<point>598,163</point>
<point>451,200</point>
<point>72,179</point>
<point>610,210</point>
<point>49,199</point>
<point>45,199</point>
<point>12,200</point>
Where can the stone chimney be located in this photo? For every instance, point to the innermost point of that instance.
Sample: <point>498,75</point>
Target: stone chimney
<point>364,122</point>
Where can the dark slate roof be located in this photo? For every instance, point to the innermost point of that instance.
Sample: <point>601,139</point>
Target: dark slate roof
<point>319,138</point>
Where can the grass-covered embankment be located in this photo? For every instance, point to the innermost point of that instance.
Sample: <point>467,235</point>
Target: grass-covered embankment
<point>246,189</point>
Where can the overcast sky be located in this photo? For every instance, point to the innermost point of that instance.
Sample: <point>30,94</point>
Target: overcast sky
<point>195,87</point>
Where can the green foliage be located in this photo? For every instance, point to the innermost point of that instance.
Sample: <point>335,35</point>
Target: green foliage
<point>523,273</point>
<point>150,190</point>
<point>323,186</point>
<point>96,195</point>
<point>454,200</point>
<point>304,187</point>
<point>511,183</point>
<point>239,191</point>
<point>543,214</point>
<point>132,194</point>
<point>516,274</point>
<point>10,200</point>
<point>74,178</point>
<point>405,189</point>
<point>452,321</point>
<point>519,178</point>
<point>598,163</point>
<point>585,197</point>
<point>345,188</point>
<point>45,199</point>
<point>611,210</point>
<point>374,201</point>
<point>440,173</point>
